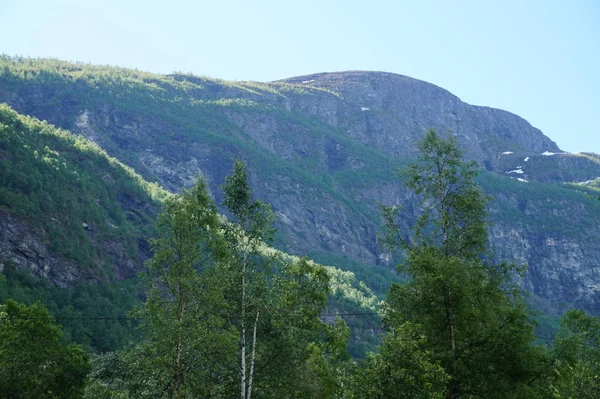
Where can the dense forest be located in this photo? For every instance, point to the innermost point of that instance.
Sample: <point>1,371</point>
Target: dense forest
<point>221,314</point>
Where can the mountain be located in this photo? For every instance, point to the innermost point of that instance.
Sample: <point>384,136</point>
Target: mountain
<point>324,149</point>
<point>74,230</point>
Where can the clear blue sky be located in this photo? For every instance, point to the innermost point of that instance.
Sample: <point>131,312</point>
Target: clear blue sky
<point>537,58</point>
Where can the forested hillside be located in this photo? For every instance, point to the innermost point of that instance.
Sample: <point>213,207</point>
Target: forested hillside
<point>167,233</point>
<point>76,226</point>
<point>323,151</point>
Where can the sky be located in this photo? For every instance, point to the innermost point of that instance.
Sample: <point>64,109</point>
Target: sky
<point>539,59</point>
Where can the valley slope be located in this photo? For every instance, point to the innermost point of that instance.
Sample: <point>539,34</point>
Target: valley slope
<point>324,149</point>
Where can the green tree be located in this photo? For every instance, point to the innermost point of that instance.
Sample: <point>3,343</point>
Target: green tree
<point>250,228</point>
<point>224,313</point>
<point>404,368</point>
<point>328,369</point>
<point>472,316</point>
<point>277,300</point>
<point>33,360</point>
<point>577,357</point>
<point>185,314</point>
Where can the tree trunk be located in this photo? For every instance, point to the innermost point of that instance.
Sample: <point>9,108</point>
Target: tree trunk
<point>450,323</point>
<point>253,356</point>
<point>177,368</point>
<point>243,350</point>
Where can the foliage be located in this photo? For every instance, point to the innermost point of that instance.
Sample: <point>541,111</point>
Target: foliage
<point>33,360</point>
<point>405,368</point>
<point>472,316</point>
<point>186,342</point>
<point>93,315</point>
<point>277,303</point>
<point>213,289</point>
<point>69,188</point>
<point>577,357</point>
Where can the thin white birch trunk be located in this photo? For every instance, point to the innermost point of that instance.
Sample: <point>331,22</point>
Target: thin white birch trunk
<point>243,354</point>
<point>253,355</point>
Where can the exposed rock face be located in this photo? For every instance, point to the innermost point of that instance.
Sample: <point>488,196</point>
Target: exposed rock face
<point>322,150</point>
<point>560,267</point>
<point>20,246</point>
<point>23,247</point>
<point>390,112</point>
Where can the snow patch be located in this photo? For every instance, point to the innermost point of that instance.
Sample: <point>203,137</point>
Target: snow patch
<point>365,109</point>
<point>308,81</point>
<point>548,153</point>
<point>518,171</point>
<point>526,159</point>
<point>507,152</point>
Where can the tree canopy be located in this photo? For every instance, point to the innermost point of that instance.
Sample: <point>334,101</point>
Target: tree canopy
<point>470,313</point>
<point>33,360</point>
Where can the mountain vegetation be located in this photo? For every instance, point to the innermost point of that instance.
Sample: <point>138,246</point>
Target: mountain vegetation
<point>153,270</point>
<point>33,360</point>
<point>322,150</point>
<point>80,253</point>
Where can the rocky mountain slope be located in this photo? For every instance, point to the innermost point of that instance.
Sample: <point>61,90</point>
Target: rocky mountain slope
<point>323,150</point>
<point>74,231</point>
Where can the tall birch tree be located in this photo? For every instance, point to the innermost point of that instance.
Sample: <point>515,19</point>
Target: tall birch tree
<point>472,314</point>
<point>185,316</point>
<point>278,299</point>
<point>249,229</point>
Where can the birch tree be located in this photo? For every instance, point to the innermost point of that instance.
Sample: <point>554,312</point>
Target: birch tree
<point>188,340</point>
<point>472,315</point>
<point>250,227</point>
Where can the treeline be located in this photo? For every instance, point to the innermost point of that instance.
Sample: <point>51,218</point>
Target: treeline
<point>225,317</point>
